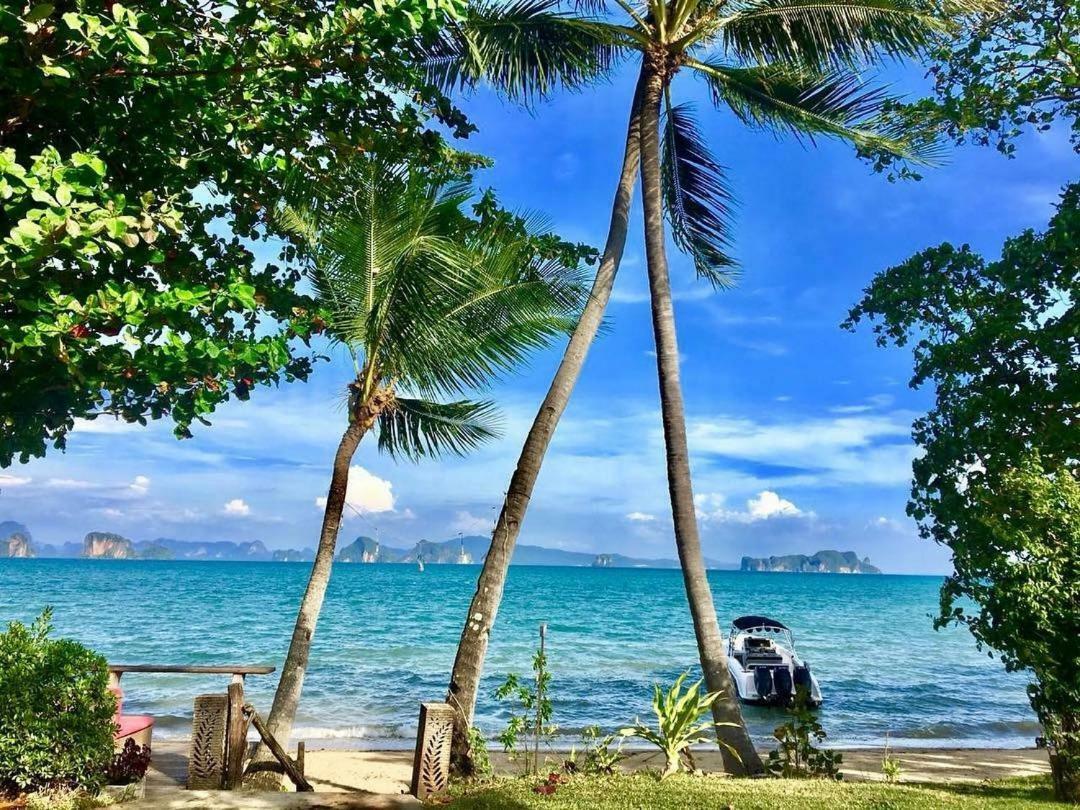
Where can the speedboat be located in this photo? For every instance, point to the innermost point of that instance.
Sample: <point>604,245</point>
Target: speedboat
<point>764,667</point>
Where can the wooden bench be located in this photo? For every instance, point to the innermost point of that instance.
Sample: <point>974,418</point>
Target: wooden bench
<point>236,722</point>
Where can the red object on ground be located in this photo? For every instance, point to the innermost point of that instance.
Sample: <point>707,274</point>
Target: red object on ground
<point>136,726</point>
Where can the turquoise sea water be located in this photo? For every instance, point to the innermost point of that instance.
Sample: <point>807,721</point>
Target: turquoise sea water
<point>387,637</point>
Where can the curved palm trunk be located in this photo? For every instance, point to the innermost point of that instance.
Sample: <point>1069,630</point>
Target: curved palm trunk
<point>706,628</point>
<point>264,772</point>
<point>469,661</point>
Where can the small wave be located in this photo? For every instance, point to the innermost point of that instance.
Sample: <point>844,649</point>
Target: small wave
<point>948,731</point>
<point>352,733</point>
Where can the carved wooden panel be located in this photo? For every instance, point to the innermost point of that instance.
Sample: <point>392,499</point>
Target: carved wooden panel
<point>206,762</point>
<point>431,762</point>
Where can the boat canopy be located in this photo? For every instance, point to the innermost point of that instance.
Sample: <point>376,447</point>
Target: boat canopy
<point>752,622</point>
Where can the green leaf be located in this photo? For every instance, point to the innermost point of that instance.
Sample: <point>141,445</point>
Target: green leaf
<point>40,12</point>
<point>138,41</point>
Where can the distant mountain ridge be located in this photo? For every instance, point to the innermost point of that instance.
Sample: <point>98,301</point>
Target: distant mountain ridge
<point>823,562</point>
<point>474,548</point>
<point>15,541</point>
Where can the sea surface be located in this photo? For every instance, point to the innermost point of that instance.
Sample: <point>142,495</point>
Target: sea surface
<point>388,633</point>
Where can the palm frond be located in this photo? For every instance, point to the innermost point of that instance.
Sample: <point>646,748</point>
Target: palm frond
<point>417,428</point>
<point>525,49</point>
<point>807,104</point>
<point>830,33</point>
<point>697,199</point>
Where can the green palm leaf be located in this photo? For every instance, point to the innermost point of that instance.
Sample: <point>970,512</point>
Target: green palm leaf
<point>696,196</point>
<point>418,428</point>
<point>829,33</point>
<point>808,104</point>
<point>525,49</point>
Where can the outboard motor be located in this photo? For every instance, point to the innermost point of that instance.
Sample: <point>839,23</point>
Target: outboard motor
<point>782,684</point>
<point>802,678</point>
<point>763,682</point>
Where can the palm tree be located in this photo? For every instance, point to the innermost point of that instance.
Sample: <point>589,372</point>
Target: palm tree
<point>430,304</point>
<point>790,66</point>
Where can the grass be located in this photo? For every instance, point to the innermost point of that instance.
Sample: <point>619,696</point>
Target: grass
<point>642,791</point>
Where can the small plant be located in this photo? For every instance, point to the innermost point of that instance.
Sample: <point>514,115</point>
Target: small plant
<point>796,756</point>
<point>679,724</point>
<point>130,764</point>
<point>596,755</point>
<point>56,711</point>
<point>478,746</point>
<point>550,785</point>
<point>65,799</point>
<point>531,719</point>
<point>890,765</point>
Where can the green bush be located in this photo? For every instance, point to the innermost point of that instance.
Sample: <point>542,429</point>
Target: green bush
<point>56,726</point>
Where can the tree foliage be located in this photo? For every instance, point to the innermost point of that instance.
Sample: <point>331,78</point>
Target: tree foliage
<point>56,712</point>
<point>1014,68</point>
<point>998,479</point>
<point>139,150</point>
<point>431,299</point>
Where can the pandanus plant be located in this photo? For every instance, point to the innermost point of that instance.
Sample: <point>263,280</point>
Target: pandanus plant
<point>681,722</point>
<point>431,304</point>
<point>791,67</point>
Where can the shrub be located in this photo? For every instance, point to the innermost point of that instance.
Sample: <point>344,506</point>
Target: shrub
<point>597,753</point>
<point>56,711</point>
<point>130,765</point>
<point>797,756</point>
<point>478,746</point>
<point>890,764</point>
<point>680,722</point>
<point>530,713</point>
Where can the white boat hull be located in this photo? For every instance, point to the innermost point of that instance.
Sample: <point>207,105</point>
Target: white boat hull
<point>764,668</point>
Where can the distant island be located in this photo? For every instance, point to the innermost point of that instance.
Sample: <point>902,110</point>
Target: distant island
<point>15,541</point>
<point>824,562</point>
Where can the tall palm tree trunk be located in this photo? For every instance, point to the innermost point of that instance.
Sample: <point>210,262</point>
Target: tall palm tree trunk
<point>263,771</point>
<point>469,661</point>
<point>706,628</point>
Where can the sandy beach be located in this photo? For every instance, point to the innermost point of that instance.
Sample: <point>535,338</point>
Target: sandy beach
<point>381,778</point>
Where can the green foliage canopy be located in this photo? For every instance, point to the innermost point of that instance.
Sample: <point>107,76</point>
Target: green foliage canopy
<point>1011,68</point>
<point>139,150</point>
<point>56,712</point>
<point>997,481</point>
<point>432,301</point>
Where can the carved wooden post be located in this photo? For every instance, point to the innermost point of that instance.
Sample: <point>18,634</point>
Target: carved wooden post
<point>431,762</point>
<point>236,738</point>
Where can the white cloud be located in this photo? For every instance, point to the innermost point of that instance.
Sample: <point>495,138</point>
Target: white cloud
<point>108,511</point>
<point>366,494</point>
<point>237,507</point>
<point>768,504</point>
<point>140,485</point>
<point>765,505</point>
<point>873,449</point>
<point>872,403</point>
<point>69,483</point>
<point>641,517</point>
<point>467,522</point>
<point>13,481</point>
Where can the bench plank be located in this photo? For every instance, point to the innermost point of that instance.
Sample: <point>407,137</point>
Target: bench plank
<point>191,670</point>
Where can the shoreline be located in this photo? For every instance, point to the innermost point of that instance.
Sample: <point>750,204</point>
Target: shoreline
<point>388,772</point>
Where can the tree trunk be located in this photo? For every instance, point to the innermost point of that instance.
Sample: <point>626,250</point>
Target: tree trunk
<point>263,772</point>
<point>469,661</point>
<point>1065,755</point>
<point>709,640</point>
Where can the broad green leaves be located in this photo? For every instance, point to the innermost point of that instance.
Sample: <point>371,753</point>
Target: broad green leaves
<point>142,146</point>
<point>997,481</point>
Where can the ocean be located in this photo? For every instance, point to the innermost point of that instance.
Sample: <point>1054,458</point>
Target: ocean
<point>387,636</point>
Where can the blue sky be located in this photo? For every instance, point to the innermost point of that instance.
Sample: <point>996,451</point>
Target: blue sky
<point>799,431</point>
